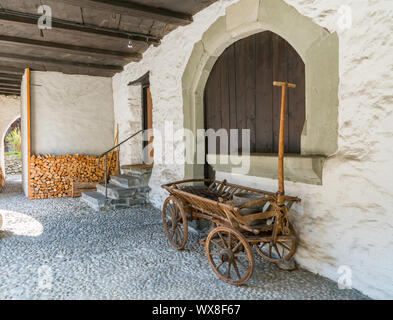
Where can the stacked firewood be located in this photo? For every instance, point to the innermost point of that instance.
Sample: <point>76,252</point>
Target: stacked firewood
<point>53,176</point>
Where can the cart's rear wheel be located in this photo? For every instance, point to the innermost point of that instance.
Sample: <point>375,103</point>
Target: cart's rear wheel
<point>175,222</point>
<point>230,255</point>
<point>283,249</point>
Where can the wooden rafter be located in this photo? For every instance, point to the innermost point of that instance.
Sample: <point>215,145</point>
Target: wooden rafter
<point>32,19</point>
<point>80,50</point>
<point>135,9</point>
<point>10,92</point>
<point>10,82</point>
<point>11,88</point>
<point>8,76</point>
<point>11,70</point>
<point>28,60</point>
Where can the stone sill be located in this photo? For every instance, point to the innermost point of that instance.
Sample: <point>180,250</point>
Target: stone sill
<point>297,168</point>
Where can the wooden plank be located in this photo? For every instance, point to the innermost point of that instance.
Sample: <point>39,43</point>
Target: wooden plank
<point>224,93</point>
<point>231,63</point>
<point>279,74</point>
<point>264,93</point>
<point>8,76</point>
<point>11,70</point>
<point>32,19</point>
<point>28,118</point>
<point>135,9</point>
<point>12,83</point>
<point>79,187</point>
<point>250,89</point>
<point>3,92</point>
<point>28,60</point>
<point>10,87</point>
<point>241,90</point>
<point>72,49</point>
<point>296,100</point>
<point>150,126</point>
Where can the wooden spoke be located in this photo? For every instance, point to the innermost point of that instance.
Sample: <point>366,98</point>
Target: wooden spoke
<point>217,245</point>
<point>226,257</point>
<point>236,269</point>
<point>236,247</point>
<point>229,270</point>
<point>221,263</point>
<point>241,264</point>
<point>284,248</point>
<point>223,241</point>
<point>175,222</point>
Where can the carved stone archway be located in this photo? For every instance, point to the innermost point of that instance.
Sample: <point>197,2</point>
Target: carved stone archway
<point>317,47</point>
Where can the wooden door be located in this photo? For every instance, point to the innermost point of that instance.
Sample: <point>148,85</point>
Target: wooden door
<point>148,125</point>
<point>239,93</point>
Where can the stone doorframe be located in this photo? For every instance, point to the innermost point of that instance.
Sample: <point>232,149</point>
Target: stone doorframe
<point>316,46</point>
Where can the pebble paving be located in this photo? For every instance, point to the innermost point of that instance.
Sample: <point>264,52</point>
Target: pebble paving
<point>62,249</point>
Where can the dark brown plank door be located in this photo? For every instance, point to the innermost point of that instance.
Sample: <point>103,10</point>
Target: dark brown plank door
<point>239,92</point>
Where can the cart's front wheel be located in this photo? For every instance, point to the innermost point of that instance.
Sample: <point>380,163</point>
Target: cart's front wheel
<point>175,222</point>
<point>230,255</point>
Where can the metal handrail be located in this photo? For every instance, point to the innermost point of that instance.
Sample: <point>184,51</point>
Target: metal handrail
<point>106,160</point>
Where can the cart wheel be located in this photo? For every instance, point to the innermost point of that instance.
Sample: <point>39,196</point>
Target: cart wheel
<point>284,248</point>
<point>230,255</point>
<point>175,222</point>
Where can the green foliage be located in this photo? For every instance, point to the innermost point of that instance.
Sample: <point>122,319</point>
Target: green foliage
<point>15,139</point>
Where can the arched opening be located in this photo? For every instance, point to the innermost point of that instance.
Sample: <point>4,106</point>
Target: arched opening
<point>13,148</point>
<point>239,93</point>
<point>318,50</point>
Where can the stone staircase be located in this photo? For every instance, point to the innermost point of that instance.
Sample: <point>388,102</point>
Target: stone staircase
<point>123,190</point>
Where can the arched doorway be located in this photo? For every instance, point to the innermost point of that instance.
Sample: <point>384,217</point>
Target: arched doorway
<point>13,148</point>
<point>239,93</point>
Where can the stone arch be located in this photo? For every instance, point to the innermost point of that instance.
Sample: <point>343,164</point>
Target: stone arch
<point>9,113</point>
<point>317,47</point>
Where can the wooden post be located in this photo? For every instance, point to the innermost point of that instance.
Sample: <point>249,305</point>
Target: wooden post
<point>281,141</point>
<point>28,116</point>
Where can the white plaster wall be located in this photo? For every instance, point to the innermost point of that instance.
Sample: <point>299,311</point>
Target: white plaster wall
<point>10,107</point>
<point>347,220</point>
<point>71,113</point>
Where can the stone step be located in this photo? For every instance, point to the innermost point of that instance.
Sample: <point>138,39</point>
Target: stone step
<point>137,169</point>
<point>95,200</point>
<point>128,181</point>
<point>115,191</point>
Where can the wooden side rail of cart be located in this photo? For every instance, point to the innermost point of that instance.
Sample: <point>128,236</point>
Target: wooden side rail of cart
<point>221,210</point>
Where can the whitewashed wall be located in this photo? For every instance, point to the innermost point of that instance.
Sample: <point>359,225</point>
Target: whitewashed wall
<point>71,113</point>
<point>348,220</point>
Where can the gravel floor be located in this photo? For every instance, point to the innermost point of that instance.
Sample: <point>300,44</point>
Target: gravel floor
<point>61,249</point>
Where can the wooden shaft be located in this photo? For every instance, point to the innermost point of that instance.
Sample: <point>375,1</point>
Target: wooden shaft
<point>28,116</point>
<point>281,141</point>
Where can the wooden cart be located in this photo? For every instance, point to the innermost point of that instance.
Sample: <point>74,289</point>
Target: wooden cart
<point>236,228</point>
<point>229,244</point>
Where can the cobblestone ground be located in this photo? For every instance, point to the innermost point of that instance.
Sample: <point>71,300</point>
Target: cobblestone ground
<point>61,249</point>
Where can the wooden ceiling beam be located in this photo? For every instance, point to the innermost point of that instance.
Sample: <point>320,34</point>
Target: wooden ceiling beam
<point>32,19</point>
<point>10,82</point>
<point>10,85</point>
<point>7,76</point>
<point>126,56</point>
<point>28,60</point>
<point>9,93</point>
<point>135,9</point>
<point>12,70</point>
<point>5,88</point>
